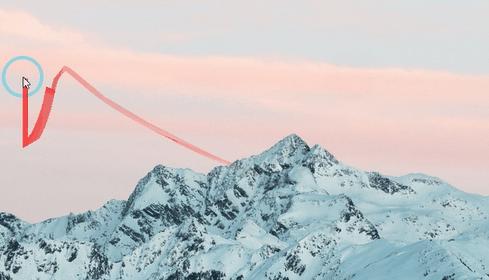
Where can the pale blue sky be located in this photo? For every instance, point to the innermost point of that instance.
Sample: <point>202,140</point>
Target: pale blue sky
<point>445,35</point>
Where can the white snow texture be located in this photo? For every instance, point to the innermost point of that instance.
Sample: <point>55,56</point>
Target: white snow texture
<point>292,212</point>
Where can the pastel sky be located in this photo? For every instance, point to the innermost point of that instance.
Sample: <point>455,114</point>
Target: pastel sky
<point>392,86</point>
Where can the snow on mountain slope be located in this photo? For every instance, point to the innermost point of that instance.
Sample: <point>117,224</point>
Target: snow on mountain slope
<point>93,226</point>
<point>10,226</point>
<point>426,259</point>
<point>291,212</point>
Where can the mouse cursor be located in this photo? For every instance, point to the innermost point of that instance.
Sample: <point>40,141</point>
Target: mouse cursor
<point>25,83</point>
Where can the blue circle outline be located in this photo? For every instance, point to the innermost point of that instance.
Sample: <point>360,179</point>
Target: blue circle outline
<point>39,70</point>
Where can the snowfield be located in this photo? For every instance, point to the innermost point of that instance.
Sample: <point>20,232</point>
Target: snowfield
<point>292,212</point>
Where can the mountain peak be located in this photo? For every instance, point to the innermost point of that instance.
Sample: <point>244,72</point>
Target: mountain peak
<point>285,151</point>
<point>291,212</point>
<point>291,140</point>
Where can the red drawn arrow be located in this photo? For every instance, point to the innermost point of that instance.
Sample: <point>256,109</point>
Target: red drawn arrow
<point>47,104</point>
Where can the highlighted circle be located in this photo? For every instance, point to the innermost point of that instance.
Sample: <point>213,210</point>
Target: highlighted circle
<point>39,70</point>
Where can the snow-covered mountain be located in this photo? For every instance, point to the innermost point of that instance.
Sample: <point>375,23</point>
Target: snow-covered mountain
<point>292,212</point>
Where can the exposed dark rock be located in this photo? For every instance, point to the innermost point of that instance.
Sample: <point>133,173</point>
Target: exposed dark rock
<point>386,185</point>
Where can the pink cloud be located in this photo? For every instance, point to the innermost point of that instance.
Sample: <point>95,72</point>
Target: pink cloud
<point>270,82</point>
<point>22,25</point>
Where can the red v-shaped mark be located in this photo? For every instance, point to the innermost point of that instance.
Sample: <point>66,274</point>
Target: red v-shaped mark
<point>47,104</point>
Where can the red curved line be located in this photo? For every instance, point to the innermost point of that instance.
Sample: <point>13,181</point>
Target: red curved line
<point>48,102</point>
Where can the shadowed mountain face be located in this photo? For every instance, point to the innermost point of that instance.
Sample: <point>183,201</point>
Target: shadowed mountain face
<point>292,212</point>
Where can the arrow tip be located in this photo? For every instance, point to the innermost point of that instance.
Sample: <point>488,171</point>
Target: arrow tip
<point>25,83</point>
